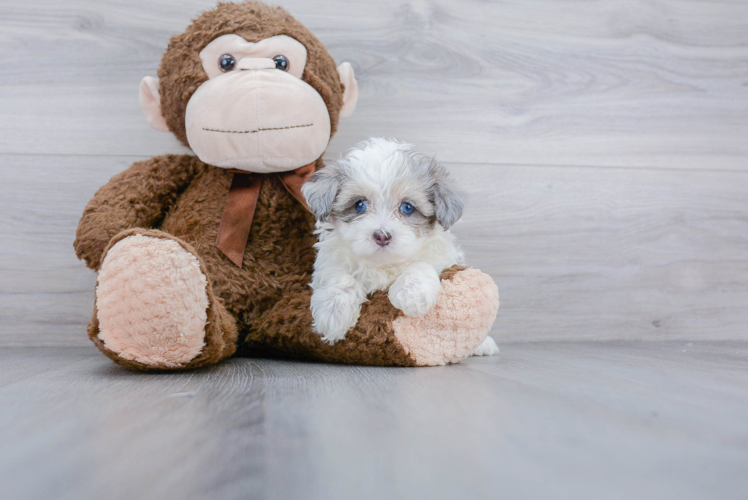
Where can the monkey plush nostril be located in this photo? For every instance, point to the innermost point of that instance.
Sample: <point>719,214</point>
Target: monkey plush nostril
<point>382,238</point>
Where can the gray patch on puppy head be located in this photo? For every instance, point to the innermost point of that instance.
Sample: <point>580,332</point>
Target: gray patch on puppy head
<point>414,172</point>
<point>449,199</point>
<point>420,223</point>
<point>349,213</point>
<point>321,189</point>
<point>344,208</point>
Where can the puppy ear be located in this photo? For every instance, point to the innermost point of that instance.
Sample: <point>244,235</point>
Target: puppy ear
<point>320,191</point>
<point>449,200</point>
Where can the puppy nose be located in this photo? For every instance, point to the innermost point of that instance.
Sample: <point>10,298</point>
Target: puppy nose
<point>256,63</point>
<point>382,238</point>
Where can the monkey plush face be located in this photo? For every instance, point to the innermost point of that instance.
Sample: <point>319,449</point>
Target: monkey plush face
<point>247,87</point>
<point>255,112</point>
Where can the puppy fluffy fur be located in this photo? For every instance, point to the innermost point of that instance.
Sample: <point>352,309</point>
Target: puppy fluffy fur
<point>383,217</point>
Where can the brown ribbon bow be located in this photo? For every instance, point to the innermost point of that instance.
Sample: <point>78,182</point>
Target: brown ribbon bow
<point>236,221</point>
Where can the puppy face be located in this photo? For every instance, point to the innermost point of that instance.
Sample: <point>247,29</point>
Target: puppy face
<point>383,200</point>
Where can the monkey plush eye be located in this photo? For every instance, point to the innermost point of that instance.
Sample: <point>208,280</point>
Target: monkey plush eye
<point>281,63</point>
<point>361,206</point>
<point>226,62</point>
<point>406,208</point>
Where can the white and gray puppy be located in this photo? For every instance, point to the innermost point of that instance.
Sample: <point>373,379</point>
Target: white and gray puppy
<point>383,217</point>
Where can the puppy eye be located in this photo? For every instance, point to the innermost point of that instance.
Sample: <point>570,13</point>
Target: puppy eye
<point>281,63</point>
<point>361,206</point>
<point>407,208</point>
<point>226,62</point>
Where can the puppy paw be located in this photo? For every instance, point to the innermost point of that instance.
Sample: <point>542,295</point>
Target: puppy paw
<point>415,294</point>
<point>487,348</point>
<point>335,312</point>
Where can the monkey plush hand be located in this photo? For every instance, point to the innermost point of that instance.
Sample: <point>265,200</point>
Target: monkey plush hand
<point>201,257</point>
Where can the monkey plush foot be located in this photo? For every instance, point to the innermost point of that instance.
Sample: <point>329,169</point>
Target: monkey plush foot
<point>457,325</point>
<point>152,301</point>
<point>155,308</point>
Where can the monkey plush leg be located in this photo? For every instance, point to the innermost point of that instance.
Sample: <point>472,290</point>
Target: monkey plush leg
<point>449,333</point>
<point>155,307</point>
<point>457,325</point>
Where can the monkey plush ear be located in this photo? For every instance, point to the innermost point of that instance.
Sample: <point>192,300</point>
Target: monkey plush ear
<point>150,101</point>
<point>350,96</point>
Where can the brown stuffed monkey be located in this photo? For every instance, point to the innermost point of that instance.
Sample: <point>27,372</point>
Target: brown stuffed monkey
<point>201,257</point>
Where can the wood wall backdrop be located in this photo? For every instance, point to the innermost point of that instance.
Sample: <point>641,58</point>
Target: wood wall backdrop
<point>604,144</point>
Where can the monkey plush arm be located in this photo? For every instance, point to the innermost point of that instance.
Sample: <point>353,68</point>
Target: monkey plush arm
<point>138,197</point>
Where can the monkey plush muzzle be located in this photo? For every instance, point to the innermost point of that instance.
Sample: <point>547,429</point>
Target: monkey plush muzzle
<point>257,120</point>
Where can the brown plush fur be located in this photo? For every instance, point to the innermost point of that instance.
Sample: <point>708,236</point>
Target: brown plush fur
<point>221,330</point>
<point>267,299</point>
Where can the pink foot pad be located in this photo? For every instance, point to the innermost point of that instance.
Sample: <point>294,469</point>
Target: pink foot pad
<point>459,322</point>
<point>152,301</point>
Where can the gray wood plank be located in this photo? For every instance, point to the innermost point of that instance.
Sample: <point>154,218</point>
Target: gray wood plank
<point>561,420</point>
<point>645,83</point>
<point>578,253</point>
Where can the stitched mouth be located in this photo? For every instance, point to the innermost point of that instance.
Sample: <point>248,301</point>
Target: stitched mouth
<point>256,130</point>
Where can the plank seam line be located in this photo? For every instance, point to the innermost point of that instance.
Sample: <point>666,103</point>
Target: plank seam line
<point>447,162</point>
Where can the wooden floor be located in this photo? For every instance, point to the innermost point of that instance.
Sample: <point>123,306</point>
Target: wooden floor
<point>604,144</point>
<point>543,420</point>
